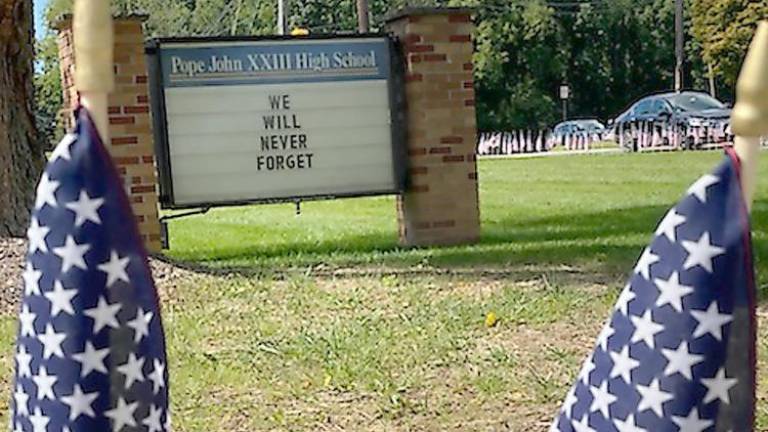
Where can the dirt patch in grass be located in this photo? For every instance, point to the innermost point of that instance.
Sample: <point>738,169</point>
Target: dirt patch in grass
<point>12,253</point>
<point>168,277</point>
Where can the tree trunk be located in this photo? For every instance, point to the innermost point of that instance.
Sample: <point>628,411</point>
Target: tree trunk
<point>21,156</point>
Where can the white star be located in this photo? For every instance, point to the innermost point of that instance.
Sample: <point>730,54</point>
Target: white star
<point>628,425</point>
<point>681,360</point>
<point>27,322</point>
<point>701,253</point>
<point>36,235</point>
<point>104,314</point>
<point>699,189</point>
<point>72,254</point>
<point>582,425</point>
<point>605,334</point>
<point>115,269</point>
<point>710,321</point>
<point>602,399</point>
<point>23,361</point>
<point>645,329</point>
<point>46,192</point>
<point>62,150</point>
<point>61,299</point>
<point>122,415</point>
<point>653,398</point>
<point>692,423</point>
<point>21,399</point>
<point>152,422</point>
<point>80,403</point>
<point>31,280</point>
<point>132,370</point>
<point>86,209</point>
<point>140,324</point>
<point>718,387</point>
<point>51,342</point>
<point>668,225</point>
<point>570,401</point>
<point>91,359</point>
<point>671,291</point>
<point>168,421</point>
<point>157,378</point>
<point>626,296</point>
<point>39,421</point>
<point>644,263</point>
<point>589,366</point>
<point>623,364</point>
<point>45,383</point>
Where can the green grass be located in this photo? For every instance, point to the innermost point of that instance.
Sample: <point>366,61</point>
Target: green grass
<point>590,212</point>
<point>398,353</point>
<point>594,146</point>
<point>271,346</point>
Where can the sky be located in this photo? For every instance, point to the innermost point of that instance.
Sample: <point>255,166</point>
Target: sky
<point>39,8</point>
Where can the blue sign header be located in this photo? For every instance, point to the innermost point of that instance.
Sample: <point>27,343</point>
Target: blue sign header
<point>206,63</point>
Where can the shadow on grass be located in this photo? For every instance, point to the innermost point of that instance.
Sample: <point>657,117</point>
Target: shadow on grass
<point>606,243</point>
<point>609,241</point>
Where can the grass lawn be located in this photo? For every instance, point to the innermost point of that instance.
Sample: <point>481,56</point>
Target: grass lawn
<point>589,213</point>
<point>281,342</point>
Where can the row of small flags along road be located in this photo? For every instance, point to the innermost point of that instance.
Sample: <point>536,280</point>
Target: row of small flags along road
<point>534,141</point>
<point>644,136</point>
<point>666,136</point>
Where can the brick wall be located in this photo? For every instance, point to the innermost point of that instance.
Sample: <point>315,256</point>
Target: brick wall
<point>131,144</point>
<point>441,204</point>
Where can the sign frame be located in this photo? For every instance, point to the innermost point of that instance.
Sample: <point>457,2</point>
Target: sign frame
<point>156,87</point>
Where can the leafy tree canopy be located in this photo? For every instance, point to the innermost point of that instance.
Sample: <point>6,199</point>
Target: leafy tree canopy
<point>609,52</point>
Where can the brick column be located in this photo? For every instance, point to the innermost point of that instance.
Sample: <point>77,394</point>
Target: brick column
<point>440,206</point>
<point>130,126</point>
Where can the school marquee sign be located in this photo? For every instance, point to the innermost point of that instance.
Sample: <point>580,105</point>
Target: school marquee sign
<point>262,120</point>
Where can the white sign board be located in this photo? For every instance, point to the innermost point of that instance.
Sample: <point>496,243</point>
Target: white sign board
<point>565,92</point>
<point>250,121</point>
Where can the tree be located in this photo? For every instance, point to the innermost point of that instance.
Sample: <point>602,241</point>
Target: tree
<point>724,28</point>
<point>48,92</point>
<point>21,157</point>
<point>610,53</point>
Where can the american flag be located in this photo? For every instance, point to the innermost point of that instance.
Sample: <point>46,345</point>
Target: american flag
<point>678,352</point>
<point>90,353</point>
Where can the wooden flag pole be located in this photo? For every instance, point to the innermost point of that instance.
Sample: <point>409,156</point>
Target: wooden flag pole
<point>749,119</point>
<point>94,59</point>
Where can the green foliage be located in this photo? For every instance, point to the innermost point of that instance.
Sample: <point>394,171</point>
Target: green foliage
<point>610,53</point>
<point>48,94</point>
<point>724,29</point>
<point>191,17</point>
<point>165,18</point>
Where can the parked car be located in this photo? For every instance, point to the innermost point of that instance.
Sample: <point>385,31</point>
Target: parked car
<point>575,127</point>
<point>688,111</point>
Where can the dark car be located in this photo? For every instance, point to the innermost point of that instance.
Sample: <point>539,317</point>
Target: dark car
<point>687,111</point>
<point>574,127</point>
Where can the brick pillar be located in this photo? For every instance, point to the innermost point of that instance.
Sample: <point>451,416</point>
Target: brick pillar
<point>130,125</point>
<point>440,205</point>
